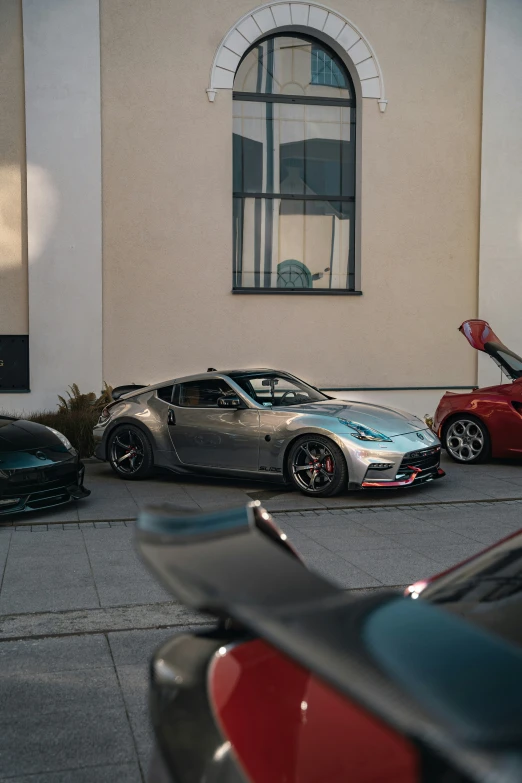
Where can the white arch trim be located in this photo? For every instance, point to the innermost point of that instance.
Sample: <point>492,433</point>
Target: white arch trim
<point>267,18</point>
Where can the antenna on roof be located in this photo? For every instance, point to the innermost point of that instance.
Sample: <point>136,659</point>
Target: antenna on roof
<point>211,369</point>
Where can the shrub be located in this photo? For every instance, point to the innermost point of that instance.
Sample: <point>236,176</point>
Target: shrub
<point>76,425</point>
<point>76,416</point>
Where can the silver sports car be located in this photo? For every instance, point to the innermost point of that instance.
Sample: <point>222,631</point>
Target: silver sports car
<point>261,424</point>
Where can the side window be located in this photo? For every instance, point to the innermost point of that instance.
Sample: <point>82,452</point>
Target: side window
<point>165,393</point>
<point>201,394</point>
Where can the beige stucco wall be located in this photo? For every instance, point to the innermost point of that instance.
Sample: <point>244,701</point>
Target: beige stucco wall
<point>501,203</point>
<point>167,239</point>
<point>13,245</point>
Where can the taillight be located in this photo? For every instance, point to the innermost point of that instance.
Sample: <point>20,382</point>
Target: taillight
<point>517,406</point>
<point>105,414</point>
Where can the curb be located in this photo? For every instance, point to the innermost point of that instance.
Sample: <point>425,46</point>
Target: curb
<point>275,512</point>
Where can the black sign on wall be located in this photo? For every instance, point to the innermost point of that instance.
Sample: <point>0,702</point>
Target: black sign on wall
<point>14,363</point>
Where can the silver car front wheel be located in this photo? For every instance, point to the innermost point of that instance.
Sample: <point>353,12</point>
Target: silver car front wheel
<point>466,440</point>
<point>316,466</point>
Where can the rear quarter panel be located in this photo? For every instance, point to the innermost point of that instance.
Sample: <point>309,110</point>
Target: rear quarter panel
<point>147,412</point>
<point>493,407</point>
<point>286,726</point>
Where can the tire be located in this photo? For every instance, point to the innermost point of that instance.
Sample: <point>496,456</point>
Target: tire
<point>329,474</point>
<point>130,453</point>
<point>466,440</point>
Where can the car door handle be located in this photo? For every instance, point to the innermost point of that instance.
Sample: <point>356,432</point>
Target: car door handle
<point>171,418</point>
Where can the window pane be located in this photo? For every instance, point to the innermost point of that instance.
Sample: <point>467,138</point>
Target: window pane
<point>272,389</point>
<point>165,393</point>
<point>325,70</point>
<point>294,244</point>
<point>201,394</point>
<point>293,149</point>
<point>285,65</point>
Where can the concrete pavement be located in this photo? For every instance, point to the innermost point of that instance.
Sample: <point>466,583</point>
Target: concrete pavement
<point>80,615</point>
<point>114,499</point>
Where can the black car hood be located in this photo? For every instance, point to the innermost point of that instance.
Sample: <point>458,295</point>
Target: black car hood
<point>21,435</point>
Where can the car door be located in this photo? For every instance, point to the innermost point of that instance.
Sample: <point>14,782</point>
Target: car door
<point>206,435</point>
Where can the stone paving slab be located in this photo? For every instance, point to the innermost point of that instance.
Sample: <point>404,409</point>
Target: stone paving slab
<point>85,666</point>
<point>149,617</point>
<point>114,499</point>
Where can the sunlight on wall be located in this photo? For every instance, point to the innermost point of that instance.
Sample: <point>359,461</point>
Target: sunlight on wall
<point>10,208</point>
<point>42,209</point>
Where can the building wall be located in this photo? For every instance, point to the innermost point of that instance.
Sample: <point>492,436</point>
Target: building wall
<point>13,245</point>
<point>501,201</point>
<point>61,72</point>
<point>167,240</point>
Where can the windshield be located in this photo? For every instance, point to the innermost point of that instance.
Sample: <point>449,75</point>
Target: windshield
<point>273,389</point>
<point>487,589</point>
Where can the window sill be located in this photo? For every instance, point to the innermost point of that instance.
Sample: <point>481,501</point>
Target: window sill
<point>298,291</point>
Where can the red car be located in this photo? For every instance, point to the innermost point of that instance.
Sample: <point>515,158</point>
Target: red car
<point>485,422</point>
<point>298,682</point>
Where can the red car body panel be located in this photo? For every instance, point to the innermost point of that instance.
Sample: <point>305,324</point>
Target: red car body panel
<point>286,726</point>
<point>498,407</point>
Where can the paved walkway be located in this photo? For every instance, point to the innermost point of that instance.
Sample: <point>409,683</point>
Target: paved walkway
<point>80,615</point>
<point>114,499</point>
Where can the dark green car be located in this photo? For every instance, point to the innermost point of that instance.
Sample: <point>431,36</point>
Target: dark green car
<point>39,468</point>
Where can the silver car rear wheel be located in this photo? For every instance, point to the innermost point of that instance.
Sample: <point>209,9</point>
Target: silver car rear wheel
<point>316,466</point>
<point>466,440</point>
<point>130,454</point>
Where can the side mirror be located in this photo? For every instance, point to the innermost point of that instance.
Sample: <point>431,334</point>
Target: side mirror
<point>231,401</point>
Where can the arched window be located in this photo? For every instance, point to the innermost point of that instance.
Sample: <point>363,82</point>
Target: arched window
<point>294,168</point>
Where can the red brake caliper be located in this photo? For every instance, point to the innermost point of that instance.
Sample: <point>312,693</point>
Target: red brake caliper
<point>328,463</point>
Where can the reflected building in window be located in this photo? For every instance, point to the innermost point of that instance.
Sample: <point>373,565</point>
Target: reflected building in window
<point>294,168</point>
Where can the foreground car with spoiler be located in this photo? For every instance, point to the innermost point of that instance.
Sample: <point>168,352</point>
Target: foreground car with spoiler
<point>300,683</point>
<point>264,424</point>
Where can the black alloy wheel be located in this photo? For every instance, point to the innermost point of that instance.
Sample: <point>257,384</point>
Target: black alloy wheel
<point>130,453</point>
<point>317,466</point>
<point>466,439</point>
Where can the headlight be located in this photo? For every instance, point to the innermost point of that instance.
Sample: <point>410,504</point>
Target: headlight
<point>361,432</point>
<point>68,445</point>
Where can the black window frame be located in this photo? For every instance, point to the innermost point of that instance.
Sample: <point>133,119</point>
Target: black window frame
<point>177,388</point>
<point>172,386</point>
<point>239,197</point>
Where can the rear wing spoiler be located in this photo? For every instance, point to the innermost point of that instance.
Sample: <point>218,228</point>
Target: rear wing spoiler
<point>406,661</point>
<point>120,391</point>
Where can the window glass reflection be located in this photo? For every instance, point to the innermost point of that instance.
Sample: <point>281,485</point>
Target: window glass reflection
<point>304,244</point>
<point>294,168</point>
<point>286,65</point>
<point>293,149</point>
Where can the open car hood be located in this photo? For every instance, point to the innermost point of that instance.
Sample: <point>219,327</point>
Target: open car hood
<point>481,336</point>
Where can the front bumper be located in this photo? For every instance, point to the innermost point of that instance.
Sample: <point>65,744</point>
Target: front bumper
<point>52,487</point>
<point>416,477</point>
<point>405,461</point>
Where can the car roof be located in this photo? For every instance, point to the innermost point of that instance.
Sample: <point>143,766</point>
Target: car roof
<point>221,374</point>
<point>201,376</point>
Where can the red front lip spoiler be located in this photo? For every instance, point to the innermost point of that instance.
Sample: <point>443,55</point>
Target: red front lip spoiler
<point>402,482</point>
